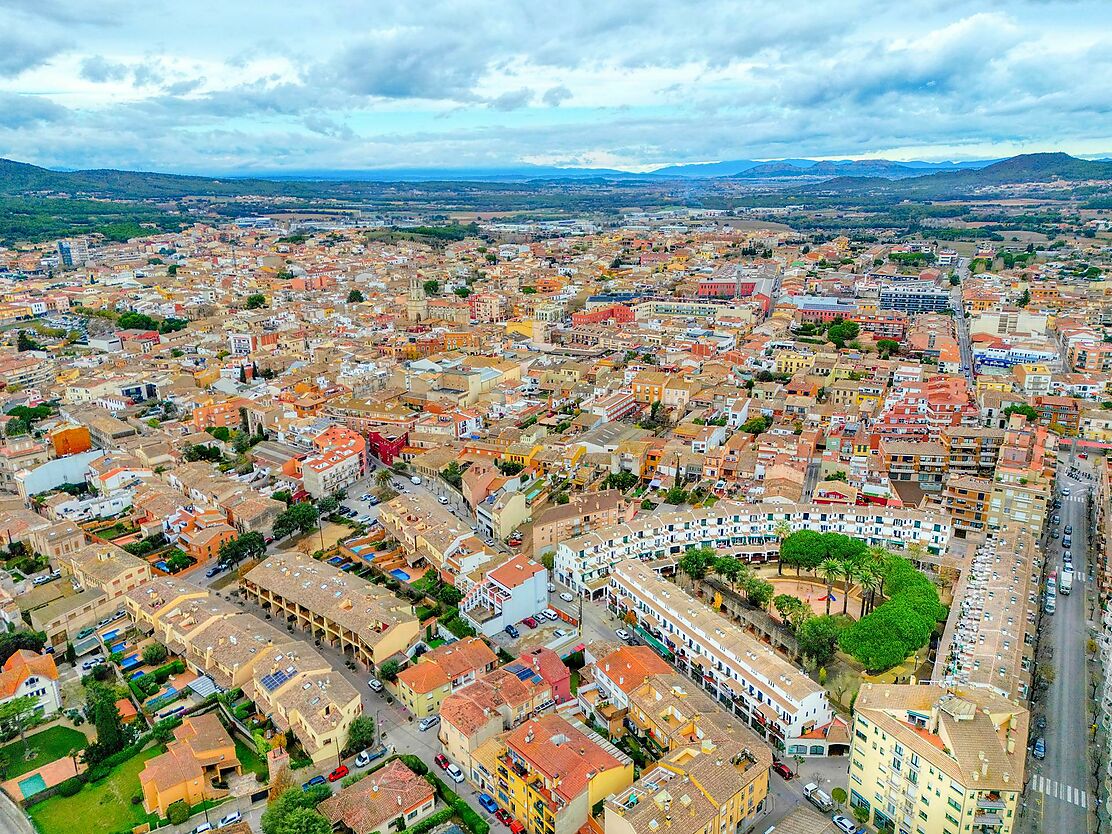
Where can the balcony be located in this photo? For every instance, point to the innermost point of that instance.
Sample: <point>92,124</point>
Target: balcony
<point>991,803</point>
<point>988,821</point>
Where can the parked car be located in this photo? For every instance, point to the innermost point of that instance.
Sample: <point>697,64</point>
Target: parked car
<point>622,633</point>
<point>454,773</point>
<point>1069,529</point>
<point>503,817</point>
<point>442,499</point>
<point>441,761</point>
<point>95,660</point>
<point>214,570</point>
<point>844,824</point>
<point>229,819</point>
<point>312,783</point>
<point>549,614</point>
<point>1039,750</point>
<point>566,597</point>
<point>783,770</point>
<point>363,759</point>
<point>428,722</point>
<point>85,632</point>
<point>487,801</point>
<point>373,500</point>
<point>415,480</point>
<point>1066,491</point>
<point>551,588</point>
<point>202,828</point>
<point>338,774</point>
<point>513,632</point>
<point>562,632</point>
<point>375,684</point>
<point>531,622</point>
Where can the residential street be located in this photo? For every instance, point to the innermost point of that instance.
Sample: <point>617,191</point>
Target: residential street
<point>1058,797</point>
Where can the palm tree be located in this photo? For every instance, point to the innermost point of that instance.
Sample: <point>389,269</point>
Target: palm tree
<point>781,529</point>
<point>870,580</point>
<point>829,570</point>
<point>881,558</point>
<point>852,569</point>
<point>382,478</point>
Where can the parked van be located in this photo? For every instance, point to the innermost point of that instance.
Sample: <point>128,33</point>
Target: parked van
<point>818,797</point>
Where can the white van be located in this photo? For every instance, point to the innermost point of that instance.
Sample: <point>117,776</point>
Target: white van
<point>415,480</point>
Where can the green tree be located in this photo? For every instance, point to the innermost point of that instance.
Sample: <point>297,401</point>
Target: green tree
<point>817,638</point>
<point>177,812</point>
<point>621,481</point>
<point>1026,409</point>
<point>729,568</point>
<point>453,474</point>
<point>388,671</point>
<point>355,297</point>
<point>361,735</point>
<point>13,641</point>
<point>803,549</point>
<point>255,301</point>
<point>154,654</point>
<point>106,718</point>
<point>300,517</point>
<point>382,478</point>
<point>24,342</point>
<point>841,332</point>
<point>462,292</point>
<point>431,287</point>
<point>756,425</point>
<point>676,495</point>
<point>1024,298</point>
<point>328,504</point>
<point>887,347</point>
<point>697,561</point>
<point>294,812</point>
<point>829,570</point>
<point>759,591</point>
<point>16,715</point>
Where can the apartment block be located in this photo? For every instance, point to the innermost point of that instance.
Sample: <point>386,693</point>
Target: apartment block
<point>582,514</point>
<point>971,450</point>
<point>285,678</point>
<point>758,686</point>
<point>965,499</point>
<point>365,622</point>
<point>928,759</point>
<point>507,594</point>
<point>748,531</point>
<point>1024,478</point>
<point>438,673</point>
<point>549,772</point>
<point>920,463</point>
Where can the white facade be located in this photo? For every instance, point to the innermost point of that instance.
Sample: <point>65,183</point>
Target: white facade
<point>748,531</point>
<point>490,606</point>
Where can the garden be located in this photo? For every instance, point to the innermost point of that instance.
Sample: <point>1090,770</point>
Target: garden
<point>47,746</point>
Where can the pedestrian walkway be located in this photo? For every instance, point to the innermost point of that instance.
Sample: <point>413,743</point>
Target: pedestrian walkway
<point>1056,790</point>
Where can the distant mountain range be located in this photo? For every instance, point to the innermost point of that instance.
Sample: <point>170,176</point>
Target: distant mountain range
<point>913,180</point>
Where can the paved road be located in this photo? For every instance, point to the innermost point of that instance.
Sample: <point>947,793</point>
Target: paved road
<point>963,323</point>
<point>1058,792</point>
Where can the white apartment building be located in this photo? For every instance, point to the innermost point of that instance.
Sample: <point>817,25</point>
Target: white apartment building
<point>329,471</point>
<point>774,697</point>
<point>748,531</point>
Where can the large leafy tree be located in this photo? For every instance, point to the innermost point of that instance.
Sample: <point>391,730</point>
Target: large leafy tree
<point>817,638</point>
<point>697,561</point>
<point>299,517</point>
<point>294,812</point>
<point>803,549</point>
<point>361,734</point>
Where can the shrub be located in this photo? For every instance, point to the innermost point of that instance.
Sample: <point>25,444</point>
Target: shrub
<point>177,812</point>
<point>432,821</point>
<point>72,786</point>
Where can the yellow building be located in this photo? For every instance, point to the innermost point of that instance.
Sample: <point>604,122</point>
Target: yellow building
<point>201,753</point>
<point>440,672</point>
<point>937,761</point>
<point>548,773</point>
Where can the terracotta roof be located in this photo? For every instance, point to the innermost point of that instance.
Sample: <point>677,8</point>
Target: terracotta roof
<point>382,796</point>
<point>423,677</point>
<point>515,571</point>
<point>22,665</point>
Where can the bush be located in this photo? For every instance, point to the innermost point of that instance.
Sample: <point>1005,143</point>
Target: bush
<point>468,818</point>
<point>431,822</point>
<point>72,786</point>
<point>177,812</point>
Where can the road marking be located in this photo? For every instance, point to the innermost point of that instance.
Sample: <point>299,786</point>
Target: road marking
<point>1057,790</point>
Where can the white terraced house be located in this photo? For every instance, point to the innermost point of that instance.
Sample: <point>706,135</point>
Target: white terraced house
<point>774,697</point>
<point>748,531</point>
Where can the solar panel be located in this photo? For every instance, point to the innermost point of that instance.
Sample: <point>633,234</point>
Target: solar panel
<point>273,681</point>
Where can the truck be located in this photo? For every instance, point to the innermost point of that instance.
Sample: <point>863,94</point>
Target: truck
<point>818,797</point>
<point>1066,583</point>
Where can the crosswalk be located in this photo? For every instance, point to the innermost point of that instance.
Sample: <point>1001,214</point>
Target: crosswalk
<point>1056,790</point>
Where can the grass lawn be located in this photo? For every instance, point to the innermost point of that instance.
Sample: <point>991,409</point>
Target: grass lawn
<point>574,681</point>
<point>52,743</point>
<point>249,757</point>
<point>104,808</point>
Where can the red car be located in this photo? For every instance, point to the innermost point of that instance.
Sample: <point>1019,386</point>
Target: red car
<point>503,817</point>
<point>529,621</point>
<point>783,770</point>
<point>338,774</point>
<point>441,761</point>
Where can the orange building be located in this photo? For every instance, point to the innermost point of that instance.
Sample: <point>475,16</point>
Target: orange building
<point>70,440</point>
<point>215,415</point>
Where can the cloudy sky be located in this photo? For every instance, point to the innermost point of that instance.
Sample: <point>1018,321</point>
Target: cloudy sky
<point>259,85</point>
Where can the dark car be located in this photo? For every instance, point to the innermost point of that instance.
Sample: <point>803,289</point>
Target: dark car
<point>1039,750</point>
<point>784,771</point>
<point>338,774</point>
<point>441,760</point>
<point>312,783</point>
<point>215,569</point>
<point>513,632</point>
<point>503,817</point>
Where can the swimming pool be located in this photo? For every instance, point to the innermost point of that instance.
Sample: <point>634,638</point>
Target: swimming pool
<point>398,573</point>
<point>336,560</point>
<point>135,675</point>
<point>119,647</point>
<point>162,566</point>
<point>32,785</point>
<point>109,636</point>
<point>130,661</point>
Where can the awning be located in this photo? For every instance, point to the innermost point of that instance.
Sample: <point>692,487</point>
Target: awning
<point>661,649</point>
<point>203,686</point>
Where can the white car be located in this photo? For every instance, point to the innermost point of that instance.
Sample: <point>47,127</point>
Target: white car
<point>415,480</point>
<point>428,722</point>
<point>202,828</point>
<point>622,634</point>
<point>566,597</point>
<point>550,614</point>
<point>95,660</point>
<point>375,684</point>
<point>551,588</point>
<point>455,773</point>
<point>442,499</point>
<point>229,819</point>
<point>561,632</point>
<point>844,824</point>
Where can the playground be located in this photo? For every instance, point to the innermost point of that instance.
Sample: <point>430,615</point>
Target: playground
<point>813,592</point>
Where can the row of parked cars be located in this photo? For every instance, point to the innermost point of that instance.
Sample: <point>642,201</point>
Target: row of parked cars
<point>548,614</point>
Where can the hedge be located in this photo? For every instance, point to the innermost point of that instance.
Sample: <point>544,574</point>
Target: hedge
<point>468,818</point>
<point>432,821</point>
